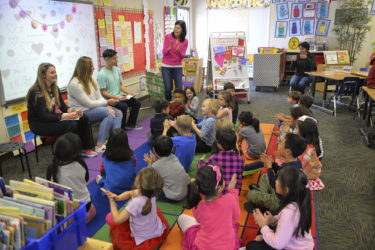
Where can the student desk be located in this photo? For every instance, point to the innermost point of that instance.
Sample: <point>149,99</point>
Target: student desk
<point>333,76</point>
<point>369,100</point>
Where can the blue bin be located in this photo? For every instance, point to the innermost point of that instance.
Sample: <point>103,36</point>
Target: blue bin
<point>71,237</point>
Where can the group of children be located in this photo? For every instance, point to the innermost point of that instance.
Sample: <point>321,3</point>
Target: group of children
<point>175,137</point>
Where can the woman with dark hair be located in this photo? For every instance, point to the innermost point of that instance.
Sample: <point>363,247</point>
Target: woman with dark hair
<point>174,50</point>
<point>304,62</point>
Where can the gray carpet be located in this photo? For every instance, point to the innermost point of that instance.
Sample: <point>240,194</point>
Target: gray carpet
<point>345,208</point>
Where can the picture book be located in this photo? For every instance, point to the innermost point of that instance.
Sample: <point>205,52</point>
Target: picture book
<point>61,189</point>
<point>34,200</point>
<point>46,191</point>
<point>33,194</point>
<point>23,209</point>
<point>331,57</point>
<point>35,227</point>
<point>343,57</point>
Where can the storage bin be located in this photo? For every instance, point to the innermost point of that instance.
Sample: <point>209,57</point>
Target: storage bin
<point>57,238</point>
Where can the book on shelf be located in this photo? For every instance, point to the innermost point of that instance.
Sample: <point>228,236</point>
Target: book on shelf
<point>331,58</point>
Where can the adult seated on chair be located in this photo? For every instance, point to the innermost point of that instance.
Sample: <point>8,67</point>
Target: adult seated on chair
<point>44,103</point>
<point>83,93</point>
<point>304,62</point>
<point>110,84</point>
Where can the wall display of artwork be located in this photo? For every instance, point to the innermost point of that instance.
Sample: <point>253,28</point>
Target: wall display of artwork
<point>232,4</point>
<point>296,10</point>
<point>322,27</point>
<point>308,26</point>
<point>294,28</point>
<point>282,11</point>
<point>322,10</point>
<point>281,29</point>
<point>309,10</point>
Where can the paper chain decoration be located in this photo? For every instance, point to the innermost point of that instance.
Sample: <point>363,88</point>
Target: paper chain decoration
<point>34,22</point>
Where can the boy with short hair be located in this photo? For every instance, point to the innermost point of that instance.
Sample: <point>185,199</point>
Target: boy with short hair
<point>230,162</point>
<point>177,106</point>
<point>170,168</point>
<point>162,113</point>
<point>185,143</point>
<point>232,90</point>
<point>264,194</point>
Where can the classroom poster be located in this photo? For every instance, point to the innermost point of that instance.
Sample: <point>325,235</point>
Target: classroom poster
<point>281,29</point>
<point>282,11</point>
<point>277,1</point>
<point>137,32</point>
<point>372,11</point>
<point>322,27</point>
<point>322,10</point>
<point>309,10</point>
<point>308,26</point>
<point>296,10</point>
<point>294,28</point>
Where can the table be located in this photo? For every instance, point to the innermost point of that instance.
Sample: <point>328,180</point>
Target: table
<point>12,146</point>
<point>336,75</point>
<point>369,97</point>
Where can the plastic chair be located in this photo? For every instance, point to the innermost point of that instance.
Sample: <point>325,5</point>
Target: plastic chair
<point>349,87</point>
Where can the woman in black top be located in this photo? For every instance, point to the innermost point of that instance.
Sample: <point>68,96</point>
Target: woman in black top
<point>304,62</point>
<point>44,99</point>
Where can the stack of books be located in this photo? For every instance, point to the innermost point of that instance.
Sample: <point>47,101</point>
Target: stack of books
<point>28,209</point>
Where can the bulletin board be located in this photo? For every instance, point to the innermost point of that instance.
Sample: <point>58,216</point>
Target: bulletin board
<point>170,18</point>
<point>124,32</point>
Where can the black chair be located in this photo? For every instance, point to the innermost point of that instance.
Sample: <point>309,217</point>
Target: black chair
<point>348,87</point>
<point>12,146</point>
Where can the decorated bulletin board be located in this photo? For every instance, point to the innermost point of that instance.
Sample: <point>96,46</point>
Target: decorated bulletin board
<point>170,18</point>
<point>123,30</point>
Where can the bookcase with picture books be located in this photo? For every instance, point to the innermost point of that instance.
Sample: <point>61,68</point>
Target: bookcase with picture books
<point>336,59</point>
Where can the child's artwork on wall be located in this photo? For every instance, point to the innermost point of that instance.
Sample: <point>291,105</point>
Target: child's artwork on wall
<point>238,51</point>
<point>277,1</point>
<point>294,28</point>
<point>309,10</point>
<point>322,27</point>
<point>372,11</point>
<point>303,1</point>
<point>322,10</point>
<point>282,11</point>
<point>296,10</point>
<point>308,26</point>
<point>281,29</point>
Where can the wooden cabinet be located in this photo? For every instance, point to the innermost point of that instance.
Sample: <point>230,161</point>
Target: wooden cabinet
<point>268,70</point>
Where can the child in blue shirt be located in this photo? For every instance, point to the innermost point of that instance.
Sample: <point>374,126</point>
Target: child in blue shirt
<point>185,143</point>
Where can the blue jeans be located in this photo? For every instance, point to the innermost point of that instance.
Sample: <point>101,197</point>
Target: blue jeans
<point>299,83</point>
<point>170,74</point>
<point>108,123</point>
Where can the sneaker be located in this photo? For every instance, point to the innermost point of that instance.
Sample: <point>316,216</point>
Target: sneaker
<point>100,149</point>
<point>98,178</point>
<point>88,153</point>
<point>136,127</point>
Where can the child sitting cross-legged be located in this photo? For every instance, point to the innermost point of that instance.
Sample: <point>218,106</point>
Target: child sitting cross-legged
<point>141,225</point>
<point>293,223</point>
<point>156,124</point>
<point>264,195</point>
<point>177,106</point>
<point>185,142</point>
<point>221,123</point>
<point>170,169</point>
<point>230,162</point>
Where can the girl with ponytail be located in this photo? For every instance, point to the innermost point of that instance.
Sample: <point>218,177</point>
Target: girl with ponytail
<point>141,225</point>
<point>293,223</point>
<point>214,225</point>
<point>250,138</point>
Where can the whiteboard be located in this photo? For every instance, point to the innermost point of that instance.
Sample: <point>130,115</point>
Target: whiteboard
<point>23,48</point>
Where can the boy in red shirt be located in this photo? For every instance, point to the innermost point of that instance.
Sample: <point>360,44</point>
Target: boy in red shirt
<point>177,106</point>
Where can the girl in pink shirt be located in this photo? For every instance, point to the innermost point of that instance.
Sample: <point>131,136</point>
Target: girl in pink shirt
<point>214,225</point>
<point>293,223</point>
<point>226,105</point>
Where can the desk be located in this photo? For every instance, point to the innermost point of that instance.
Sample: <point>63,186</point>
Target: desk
<point>369,97</point>
<point>332,75</point>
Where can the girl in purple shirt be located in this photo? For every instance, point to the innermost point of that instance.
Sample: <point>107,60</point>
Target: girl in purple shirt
<point>140,225</point>
<point>174,50</point>
<point>293,223</point>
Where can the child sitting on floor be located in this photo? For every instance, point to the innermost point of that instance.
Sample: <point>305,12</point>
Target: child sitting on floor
<point>230,162</point>
<point>214,225</point>
<point>250,138</point>
<point>118,163</point>
<point>221,123</point>
<point>226,103</point>
<point>232,90</point>
<point>69,169</point>
<point>170,169</point>
<point>192,102</point>
<point>185,143</point>
<point>205,130</point>
<point>292,99</point>
<point>308,129</point>
<point>177,106</point>
<point>263,195</point>
<point>156,123</point>
<point>293,223</point>
<point>141,225</point>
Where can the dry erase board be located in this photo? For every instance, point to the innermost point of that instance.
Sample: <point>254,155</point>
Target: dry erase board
<point>33,32</point>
